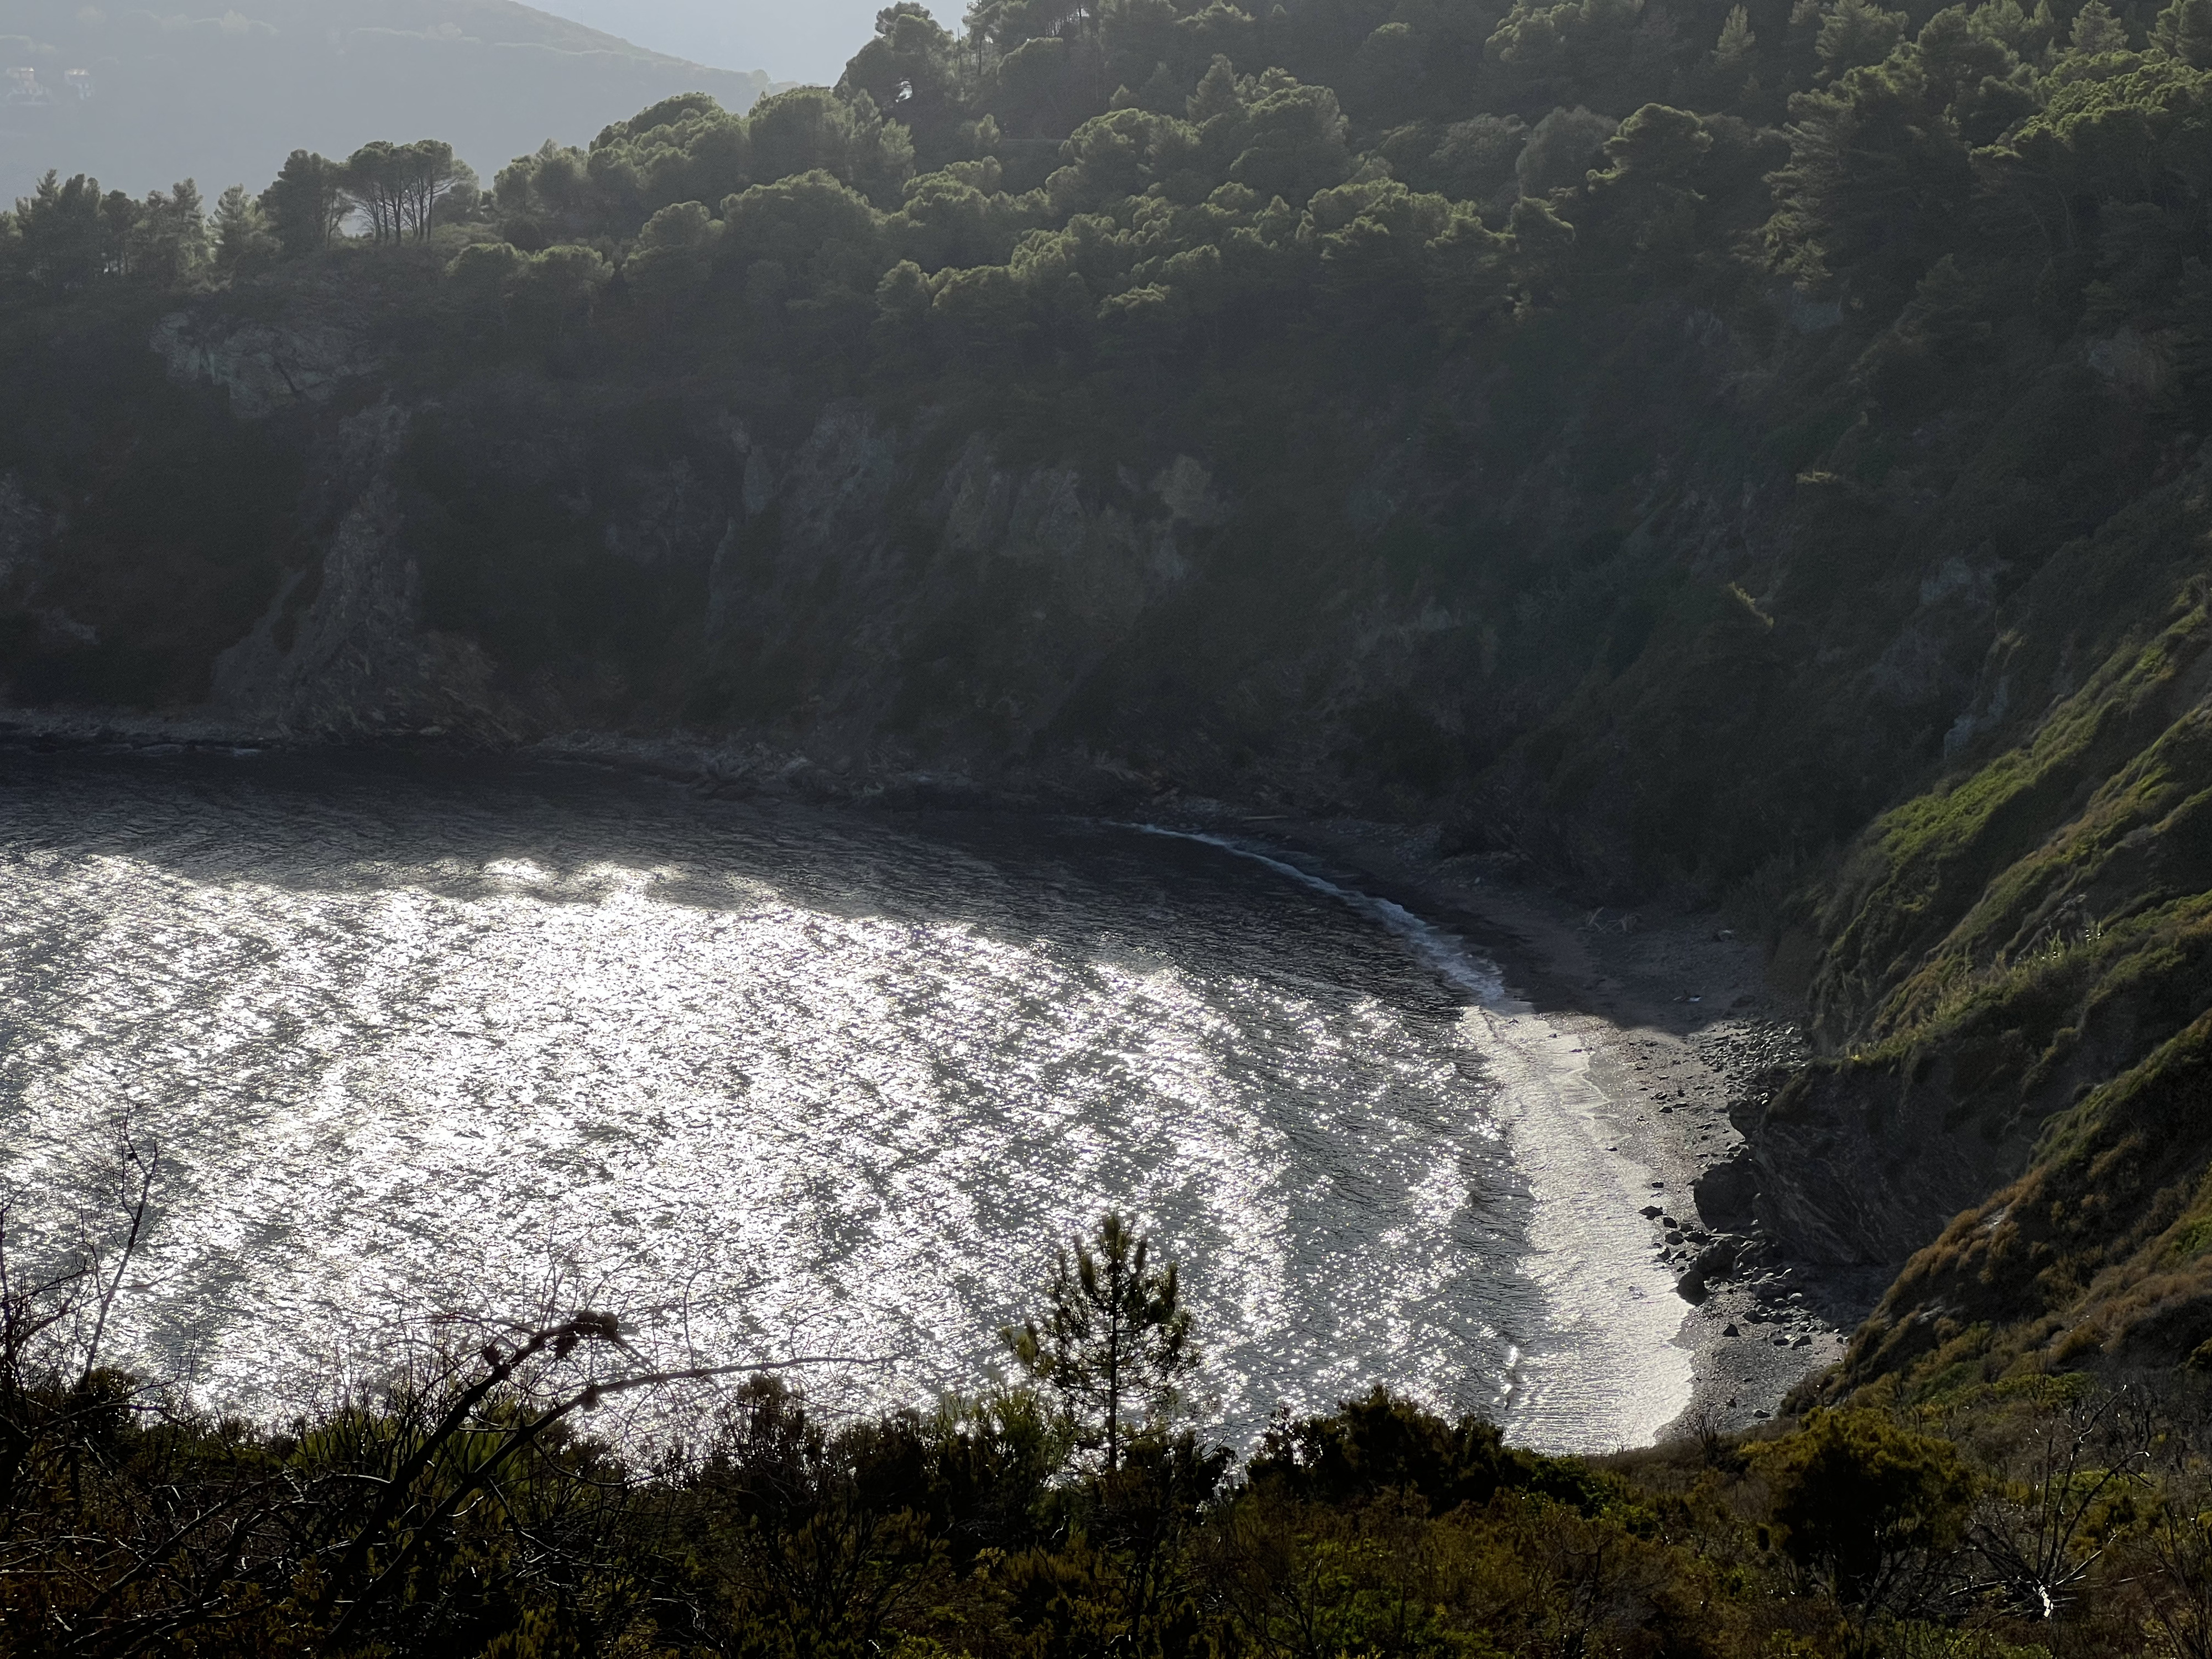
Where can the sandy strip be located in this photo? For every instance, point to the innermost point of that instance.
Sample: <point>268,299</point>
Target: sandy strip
<point>1620,1044</point>
<point>1610,1373</point>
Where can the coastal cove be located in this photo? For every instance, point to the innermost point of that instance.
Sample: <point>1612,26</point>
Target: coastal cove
<point>1181,830</point>
<point>1384,1158</point>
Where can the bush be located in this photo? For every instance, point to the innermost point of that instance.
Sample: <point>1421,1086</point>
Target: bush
<point>1868,1509</point>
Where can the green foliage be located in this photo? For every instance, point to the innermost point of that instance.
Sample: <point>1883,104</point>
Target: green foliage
<point>688,149</point>
<point>1585,48</point>
<point>1856,34</point>
<point>66,236</point>
<point>1876,183</point>
<point>2184,32</point>
<point>398,189</point>
<point>1113,1344</point>
<point>459,1507</point>
<point>60,240</point>
<point>1381,1447</point>
<point>304,204</point>
<point>1864,1505</point>
<point>1292,139</point>
<point>966,1533</point>
<point>1736,54</point>
<point>243,241</point>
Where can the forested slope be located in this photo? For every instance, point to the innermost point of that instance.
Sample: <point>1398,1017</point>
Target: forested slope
<point>1753,454</point>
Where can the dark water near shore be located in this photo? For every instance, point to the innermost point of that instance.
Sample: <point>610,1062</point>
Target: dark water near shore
<point>416,1034</point>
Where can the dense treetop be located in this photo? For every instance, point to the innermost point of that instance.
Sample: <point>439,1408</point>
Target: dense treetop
<point>1154,175</point>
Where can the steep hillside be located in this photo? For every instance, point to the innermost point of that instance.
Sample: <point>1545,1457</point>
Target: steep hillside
<point>1752,455</point>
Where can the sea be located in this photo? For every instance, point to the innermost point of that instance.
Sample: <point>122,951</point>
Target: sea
<point>413,1044</point>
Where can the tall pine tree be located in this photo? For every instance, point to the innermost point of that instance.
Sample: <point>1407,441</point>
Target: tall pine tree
<point>1115,1339</point>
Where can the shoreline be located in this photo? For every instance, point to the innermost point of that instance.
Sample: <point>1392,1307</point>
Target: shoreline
<point>1678,1024</point>
<point>1669,1018</point>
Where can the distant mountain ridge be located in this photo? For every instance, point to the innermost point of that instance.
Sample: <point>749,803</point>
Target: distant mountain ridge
<point>807,44</point>
<point>140,101</point>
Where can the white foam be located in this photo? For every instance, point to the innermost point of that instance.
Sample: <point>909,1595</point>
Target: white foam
<point>1446,955</point>
<point>1606,1372</point>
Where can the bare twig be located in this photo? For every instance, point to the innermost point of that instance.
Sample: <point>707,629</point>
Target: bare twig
<point>147,1168</point>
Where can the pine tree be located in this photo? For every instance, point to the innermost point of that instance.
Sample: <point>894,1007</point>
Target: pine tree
<point>1734,59</point>
<point>980,24</point>
<point>1734,53</point>
<point>168,244</point>
<point>1115,1341</point>
<point>62,232</point>
<point>1856,33</point>
<point>2098,31</point>
<point>1218,93</point>
<point>241,232</point>
<point>2184,31</point>
<point>305,205</point>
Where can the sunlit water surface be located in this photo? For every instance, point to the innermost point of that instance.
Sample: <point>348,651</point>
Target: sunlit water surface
<point>415,1035</point>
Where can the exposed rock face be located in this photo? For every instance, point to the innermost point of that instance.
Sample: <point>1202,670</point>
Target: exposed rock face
<point>2142,364</point>
<point>263,368</point>
<point>848,568</point>
<point>1727,1193</point>
<point>24,526</point>
<point>1861,1169</point>
<point>839,571</point>
<point>1323,630</point>
<point>899,595</point>
<point>342,650</point>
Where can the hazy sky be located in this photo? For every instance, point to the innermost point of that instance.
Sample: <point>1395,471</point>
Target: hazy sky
<point>792,39</point>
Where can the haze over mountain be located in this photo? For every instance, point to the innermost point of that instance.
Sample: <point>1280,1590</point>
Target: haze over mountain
<point>807,42</point>
<point>140,101</point>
